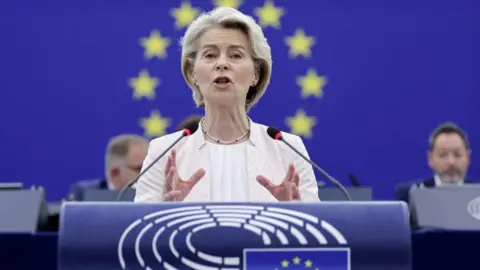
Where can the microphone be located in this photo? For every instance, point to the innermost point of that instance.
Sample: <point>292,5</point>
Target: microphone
<point>187,131</point>
<point>354,180</point>
<point>276,134</point>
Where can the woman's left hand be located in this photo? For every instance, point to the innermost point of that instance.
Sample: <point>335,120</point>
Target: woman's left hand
<point>287,190</point>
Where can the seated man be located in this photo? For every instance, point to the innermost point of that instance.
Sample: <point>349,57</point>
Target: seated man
<point>448,156</point>
<point>124,158</point>
<point>123,161</point>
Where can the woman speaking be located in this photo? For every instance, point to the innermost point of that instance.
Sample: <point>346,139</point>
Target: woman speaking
<point>227,63</point>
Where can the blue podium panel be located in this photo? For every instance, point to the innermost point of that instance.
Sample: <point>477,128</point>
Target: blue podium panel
<point>326,236</point>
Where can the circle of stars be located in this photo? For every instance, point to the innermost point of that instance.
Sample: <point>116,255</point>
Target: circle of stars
<point>145,85</point>
<point>311,84</point>
<point>300,44</point>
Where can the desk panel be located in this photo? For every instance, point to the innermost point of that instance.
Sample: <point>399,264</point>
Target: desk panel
<point>28,251</point>
<point>439,250</point>
<point>446,250</point>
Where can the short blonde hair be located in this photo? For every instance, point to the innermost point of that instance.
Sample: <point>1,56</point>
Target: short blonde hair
<point>231,19</point>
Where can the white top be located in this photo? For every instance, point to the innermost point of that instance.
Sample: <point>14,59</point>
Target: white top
<point>228,172</point>
<point>263,156</point>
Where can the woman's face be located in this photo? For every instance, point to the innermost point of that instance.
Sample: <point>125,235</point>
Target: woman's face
<point>224,69</point>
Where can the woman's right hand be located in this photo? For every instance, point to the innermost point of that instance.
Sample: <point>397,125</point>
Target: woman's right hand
<point>176,189</point>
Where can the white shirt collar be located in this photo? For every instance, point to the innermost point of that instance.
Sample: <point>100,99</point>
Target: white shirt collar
<point>110,186</point>
<point>439,182</point>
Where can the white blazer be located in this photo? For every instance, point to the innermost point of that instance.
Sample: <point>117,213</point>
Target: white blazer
<point>266,157</point>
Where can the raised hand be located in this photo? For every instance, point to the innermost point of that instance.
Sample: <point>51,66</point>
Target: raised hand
<point>176,189</point>
<point>287,190</point>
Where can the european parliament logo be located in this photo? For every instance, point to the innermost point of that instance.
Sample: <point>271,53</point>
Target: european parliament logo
<point>228,237</point>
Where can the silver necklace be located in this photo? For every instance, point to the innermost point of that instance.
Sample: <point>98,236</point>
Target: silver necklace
<point>222,142</point>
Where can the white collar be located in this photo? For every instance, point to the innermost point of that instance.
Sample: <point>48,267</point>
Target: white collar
<point>110,186</point>
<point>439,182</point>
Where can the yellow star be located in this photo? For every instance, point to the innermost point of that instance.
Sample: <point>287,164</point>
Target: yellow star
<point>301,124</point>
<point>144,85</point>
<point>269,14</point>
<point>155,124</point>
<point>228,3</point>
<point>184,15</point>
<point>300,44</point>
<point>285,263</point>
<point>296,260</point>
<point>311,84</point>
<point>155,45</point>
<point>308,263</point>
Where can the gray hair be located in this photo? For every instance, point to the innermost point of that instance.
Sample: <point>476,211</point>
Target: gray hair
<point>231,19</point>
<point>118,147</point>
<point>447,128</point>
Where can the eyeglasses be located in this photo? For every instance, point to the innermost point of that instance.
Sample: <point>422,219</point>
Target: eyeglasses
<point>136,168</point>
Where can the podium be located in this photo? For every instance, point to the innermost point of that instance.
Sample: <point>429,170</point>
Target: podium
<point>324,236</point>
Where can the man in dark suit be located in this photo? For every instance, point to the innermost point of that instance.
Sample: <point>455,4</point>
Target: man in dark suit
<point>123,161</point>
<point>448,156</point>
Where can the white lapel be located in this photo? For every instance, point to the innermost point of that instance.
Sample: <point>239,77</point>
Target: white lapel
<point>196,157</point>
<point>255,160</point>
<point>257,164</point>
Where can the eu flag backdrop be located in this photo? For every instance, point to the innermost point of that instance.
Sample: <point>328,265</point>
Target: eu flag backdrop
<point>363,82</point>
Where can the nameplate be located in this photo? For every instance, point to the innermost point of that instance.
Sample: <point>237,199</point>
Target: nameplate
<point>326,236</point>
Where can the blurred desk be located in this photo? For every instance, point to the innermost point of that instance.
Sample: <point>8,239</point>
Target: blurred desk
<point>28,251</point>
<point>439,249</point>
<point>432,249</point>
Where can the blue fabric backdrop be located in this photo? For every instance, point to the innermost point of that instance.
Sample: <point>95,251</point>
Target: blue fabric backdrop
<point>382,76</point>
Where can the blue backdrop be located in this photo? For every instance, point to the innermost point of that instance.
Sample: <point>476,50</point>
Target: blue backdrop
<point>382,76</point>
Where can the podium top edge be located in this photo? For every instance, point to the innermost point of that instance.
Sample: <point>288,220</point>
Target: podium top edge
<point>363,203</point>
